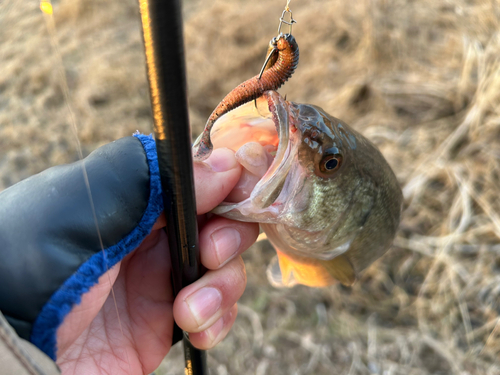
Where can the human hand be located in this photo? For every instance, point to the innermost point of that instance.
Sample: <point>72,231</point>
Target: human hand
<point>92,338</point>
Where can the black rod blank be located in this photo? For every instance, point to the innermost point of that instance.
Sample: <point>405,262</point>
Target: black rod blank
<point>164,48</point>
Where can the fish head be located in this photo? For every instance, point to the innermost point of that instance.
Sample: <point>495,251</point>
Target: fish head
<point>327,199</point>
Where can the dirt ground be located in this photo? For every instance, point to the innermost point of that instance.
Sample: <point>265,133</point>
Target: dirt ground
<point>421,79</point>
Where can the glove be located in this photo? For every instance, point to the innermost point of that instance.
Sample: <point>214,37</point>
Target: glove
<point>51,252</point>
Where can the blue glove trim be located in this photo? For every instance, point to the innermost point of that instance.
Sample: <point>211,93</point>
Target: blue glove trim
<point>45,327</point>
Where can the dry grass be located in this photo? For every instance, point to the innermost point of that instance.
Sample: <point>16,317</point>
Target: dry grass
<point>420,79</point>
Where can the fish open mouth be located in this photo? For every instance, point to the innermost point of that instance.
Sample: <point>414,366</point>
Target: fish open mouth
<point>263,124</point>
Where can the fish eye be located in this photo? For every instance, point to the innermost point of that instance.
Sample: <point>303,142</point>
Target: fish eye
<point>330,163</point>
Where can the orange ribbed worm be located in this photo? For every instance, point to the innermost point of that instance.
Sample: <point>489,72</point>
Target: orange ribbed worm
<point>272,78</point>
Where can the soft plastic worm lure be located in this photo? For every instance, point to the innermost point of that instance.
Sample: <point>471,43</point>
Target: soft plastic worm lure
<point>275,73</point>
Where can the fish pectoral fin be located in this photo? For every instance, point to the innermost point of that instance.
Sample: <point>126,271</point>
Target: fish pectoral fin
<point>262,237</point>
<point>295,269</point>
<point>341,269</point>
<point>287,270</point>
<point>275,275</point>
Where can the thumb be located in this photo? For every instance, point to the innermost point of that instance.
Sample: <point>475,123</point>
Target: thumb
<point>214,179</point>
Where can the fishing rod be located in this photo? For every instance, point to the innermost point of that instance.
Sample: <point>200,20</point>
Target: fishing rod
<point>164,49</point>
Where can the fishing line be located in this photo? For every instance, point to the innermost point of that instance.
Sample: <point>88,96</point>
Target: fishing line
<point>47,10</point>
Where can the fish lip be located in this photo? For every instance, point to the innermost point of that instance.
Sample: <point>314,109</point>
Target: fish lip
<point>269,187</point>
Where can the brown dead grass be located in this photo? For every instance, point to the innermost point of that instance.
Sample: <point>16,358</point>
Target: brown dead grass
<point>420,79</point>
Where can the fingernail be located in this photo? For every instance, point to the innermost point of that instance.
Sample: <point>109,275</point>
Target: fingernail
<point>204,303</point>
<point>214,331</point>
<point>221,160</point>
<point>226,241</point>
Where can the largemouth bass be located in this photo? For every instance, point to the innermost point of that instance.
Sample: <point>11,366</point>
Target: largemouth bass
<point>324,194</point>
